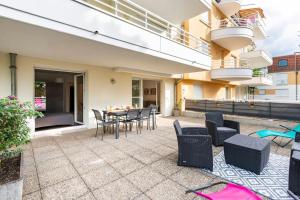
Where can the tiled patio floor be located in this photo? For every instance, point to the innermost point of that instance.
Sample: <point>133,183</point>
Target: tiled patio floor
<point>140,167</point>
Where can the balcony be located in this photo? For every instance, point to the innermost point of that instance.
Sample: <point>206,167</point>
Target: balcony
<point>256,15</point>
<point>233,34</point>
<point>176,11</point>
<point>259,80</point>
<point>97,32</point>
<point>230,70</point>
<point>228,7</point>
<point>257,58</point>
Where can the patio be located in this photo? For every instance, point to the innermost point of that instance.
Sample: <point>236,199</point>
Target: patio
<point>79,166</point>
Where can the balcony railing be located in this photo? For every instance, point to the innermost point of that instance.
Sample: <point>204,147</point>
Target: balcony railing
<point>135,14</point>
<point>234,22</point>
<point>262,75</point>
<point>230,63</point>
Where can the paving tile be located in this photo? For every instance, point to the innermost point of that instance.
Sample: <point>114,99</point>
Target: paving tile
<point>146,156</point>
<point>33,196</point>
<point>69,189</point>
<point>74,149</point>
<point>114,156</point>
<point>89,165</point>
<point>166,167</point>
<point>52,164</point>
<point>100,177</point>
<point>163,150</point>
<point>46,149</point>
<point>48,155</point>
<point>83,156</point>
<point>88,196</point>
<point>145,178</point>
<point>142,197</point>
<point>56,175</point>
<point>169,190</point>
<point>30,183</point>
<point>127,165</point>
<point>104,149</point>
<point>120,189</point>
<point>42,142</point>
<point>191,177</point>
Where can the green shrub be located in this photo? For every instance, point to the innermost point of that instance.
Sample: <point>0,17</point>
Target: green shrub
<point>14,130</point>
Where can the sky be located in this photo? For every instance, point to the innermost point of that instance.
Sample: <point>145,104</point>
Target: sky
<point>282,26</point>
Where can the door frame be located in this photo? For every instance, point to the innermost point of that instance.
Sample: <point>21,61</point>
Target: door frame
<point>75,98</point>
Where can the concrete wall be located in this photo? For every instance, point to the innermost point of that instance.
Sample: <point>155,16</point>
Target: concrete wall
<point>99,91</point>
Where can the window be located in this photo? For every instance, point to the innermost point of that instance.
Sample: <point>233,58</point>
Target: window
<point>282,63</point>
<point>197,92</point>
<point>281,79</point>
<point>262,92</point>
<point>282,92</point>
<point>204,17</point>
<point>136,93</point>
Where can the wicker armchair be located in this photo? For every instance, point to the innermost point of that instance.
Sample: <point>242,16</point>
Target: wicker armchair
<point>194,147</point>
<point>220,129</point>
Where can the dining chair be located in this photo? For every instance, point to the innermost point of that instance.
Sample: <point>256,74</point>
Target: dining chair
<point>102,122</point>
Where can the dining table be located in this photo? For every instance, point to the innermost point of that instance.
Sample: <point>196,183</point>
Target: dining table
<point>117,114</point>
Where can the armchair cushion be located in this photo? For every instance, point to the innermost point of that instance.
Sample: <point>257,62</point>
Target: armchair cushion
<point>226,130</point>
<point>232,124</point>
<point>194,131</point>
<point>215,117</point>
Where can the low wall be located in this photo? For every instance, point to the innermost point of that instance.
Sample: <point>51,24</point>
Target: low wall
<point>272,123</point>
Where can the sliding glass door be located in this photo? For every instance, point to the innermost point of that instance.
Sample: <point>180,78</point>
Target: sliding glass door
<point>78,100</point>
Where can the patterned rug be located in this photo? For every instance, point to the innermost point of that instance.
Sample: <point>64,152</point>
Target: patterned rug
<point>272,182</point>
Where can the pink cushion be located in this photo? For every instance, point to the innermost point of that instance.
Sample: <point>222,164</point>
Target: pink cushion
<point>230,192</point>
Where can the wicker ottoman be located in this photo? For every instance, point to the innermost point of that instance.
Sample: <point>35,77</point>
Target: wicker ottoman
<point>247,152</point>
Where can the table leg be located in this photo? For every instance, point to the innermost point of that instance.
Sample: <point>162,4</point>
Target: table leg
<point>153,120</point>
<point>117,127</point>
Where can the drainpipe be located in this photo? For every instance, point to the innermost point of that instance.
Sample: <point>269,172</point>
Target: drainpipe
<point>296,75</point>
<point>13,73</point>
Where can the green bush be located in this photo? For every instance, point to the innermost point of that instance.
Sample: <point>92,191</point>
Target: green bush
<point>14,130</point>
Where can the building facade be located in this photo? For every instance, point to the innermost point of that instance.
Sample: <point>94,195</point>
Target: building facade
<point>231,30</point>
<point>72,56</point>
<point>286,80</point>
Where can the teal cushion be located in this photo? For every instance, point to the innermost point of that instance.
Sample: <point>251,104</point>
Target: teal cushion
<point>267,133</point>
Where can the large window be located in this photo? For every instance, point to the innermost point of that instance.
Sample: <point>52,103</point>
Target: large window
<point>281,79</point>
<point>283,63</point>
<point>136,93</point>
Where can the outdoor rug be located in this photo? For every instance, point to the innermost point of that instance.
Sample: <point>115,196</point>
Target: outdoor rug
<point>272,182</point>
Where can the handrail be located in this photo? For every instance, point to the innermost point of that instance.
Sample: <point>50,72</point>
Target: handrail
<point>133,13</point>
<point>262,75</point>
<point>234,22</point>
<point>230,63</point>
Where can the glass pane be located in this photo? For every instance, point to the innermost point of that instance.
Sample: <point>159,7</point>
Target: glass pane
<point>136,102</point>
<point>40,96</point>
<point>79,96</point>
<point>136,88</point>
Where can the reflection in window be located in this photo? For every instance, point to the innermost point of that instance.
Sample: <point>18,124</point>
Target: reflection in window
<point>283,63</point>
<point>40,96</point>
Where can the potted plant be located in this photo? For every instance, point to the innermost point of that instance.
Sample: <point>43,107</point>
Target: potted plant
<point>177,109</point>
<point>14,132</point>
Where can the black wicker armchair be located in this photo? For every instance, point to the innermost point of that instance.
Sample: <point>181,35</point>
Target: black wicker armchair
<point>220,129</point>
<point>194,147</point>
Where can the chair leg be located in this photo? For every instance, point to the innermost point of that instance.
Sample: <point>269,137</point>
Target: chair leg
<point>96,131</point>
<point>103,133</point>
<point>136,127</point>
<point>281,145</point>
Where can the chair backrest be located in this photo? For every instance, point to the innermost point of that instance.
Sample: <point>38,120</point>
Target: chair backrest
<point>97,114</point>
<point>132,114</point>
<point>216,117</point>
<point>145,112</point>
<point>177,127</point>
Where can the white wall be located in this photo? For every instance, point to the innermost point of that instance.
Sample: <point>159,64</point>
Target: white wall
<point>4,75</point>
<point>99,91</point>
<point>167,97</point>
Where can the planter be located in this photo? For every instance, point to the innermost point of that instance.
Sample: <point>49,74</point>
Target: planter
<point>176,113</point>
<point>12,188</point>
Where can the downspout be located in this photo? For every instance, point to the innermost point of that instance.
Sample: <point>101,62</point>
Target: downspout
<point>13,74</point>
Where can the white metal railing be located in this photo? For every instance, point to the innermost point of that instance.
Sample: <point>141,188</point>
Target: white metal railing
<point>230,63</point>
<point>135,14</point>
<point>234,22</point>
<point>262,75</point>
